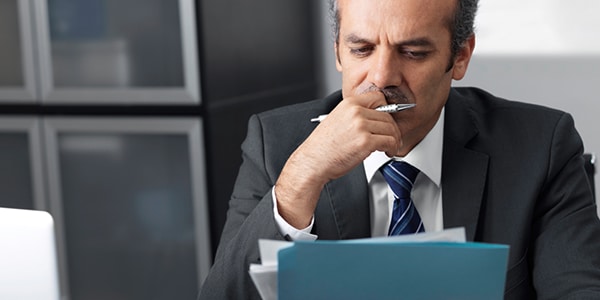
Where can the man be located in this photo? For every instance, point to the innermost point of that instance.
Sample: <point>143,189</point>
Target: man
<point>510,173</point>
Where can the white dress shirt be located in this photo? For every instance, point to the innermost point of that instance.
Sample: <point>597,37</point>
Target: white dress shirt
<point>426,193</point>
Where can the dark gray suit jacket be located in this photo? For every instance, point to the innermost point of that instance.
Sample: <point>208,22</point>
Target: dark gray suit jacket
<point>512,173</point>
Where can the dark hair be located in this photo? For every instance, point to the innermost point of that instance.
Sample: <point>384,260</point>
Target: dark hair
<point>461,27</point>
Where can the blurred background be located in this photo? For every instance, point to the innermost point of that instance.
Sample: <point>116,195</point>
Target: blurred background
<point>124,118</point>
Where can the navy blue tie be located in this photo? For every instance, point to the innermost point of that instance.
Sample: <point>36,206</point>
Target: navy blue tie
<point>405,217</point>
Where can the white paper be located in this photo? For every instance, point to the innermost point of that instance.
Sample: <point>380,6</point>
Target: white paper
<point>457,235</point>
<point>269,249</point>
<point>265,280</point>
<point>264,275</point>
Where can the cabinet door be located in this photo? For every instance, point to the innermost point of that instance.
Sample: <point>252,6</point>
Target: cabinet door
<point>17,81</point>
<point>129,198</point>
<point>115,52</point>
<point>21,175</point>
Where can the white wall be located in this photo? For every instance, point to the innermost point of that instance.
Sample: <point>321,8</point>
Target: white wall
<point>538,51</point>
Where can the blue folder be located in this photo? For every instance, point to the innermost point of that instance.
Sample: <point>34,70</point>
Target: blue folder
<point>398,270</point>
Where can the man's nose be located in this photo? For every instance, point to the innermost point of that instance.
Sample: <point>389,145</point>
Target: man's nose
<point>386,69</point>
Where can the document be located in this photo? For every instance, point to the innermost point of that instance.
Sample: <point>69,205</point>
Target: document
<point>438,265</point>
<point>264,275</point>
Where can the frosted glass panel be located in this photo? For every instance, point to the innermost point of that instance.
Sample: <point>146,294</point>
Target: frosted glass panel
<point>538,27</point>
<point>128,216</point>
<point>116,43</point>
<point>15,171</point>
<point>11,69</point>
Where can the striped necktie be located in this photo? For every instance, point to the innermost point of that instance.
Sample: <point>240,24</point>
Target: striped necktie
<point>405,217</point>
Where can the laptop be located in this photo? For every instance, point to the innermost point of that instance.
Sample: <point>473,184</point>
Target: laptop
<point>28,260</point>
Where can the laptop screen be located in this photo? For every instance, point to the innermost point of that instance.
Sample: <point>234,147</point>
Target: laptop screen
<point>28,261</point>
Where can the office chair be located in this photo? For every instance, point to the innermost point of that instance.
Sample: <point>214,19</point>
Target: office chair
<point>590,169</point>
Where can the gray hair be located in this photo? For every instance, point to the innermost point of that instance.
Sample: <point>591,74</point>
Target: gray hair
<point>461,27</point>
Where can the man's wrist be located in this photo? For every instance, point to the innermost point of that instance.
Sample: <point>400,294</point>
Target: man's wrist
<point>288,230</point>
<point>293,209</point>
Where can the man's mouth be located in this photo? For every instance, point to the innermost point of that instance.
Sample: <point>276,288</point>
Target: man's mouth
<point>393,95</point>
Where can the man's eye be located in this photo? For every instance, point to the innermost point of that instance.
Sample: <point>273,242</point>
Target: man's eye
<point>416,54</point>
<point>362,51</point>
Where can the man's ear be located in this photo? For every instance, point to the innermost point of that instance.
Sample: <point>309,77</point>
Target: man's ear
<point>338,62</point>
<point>462,59</point>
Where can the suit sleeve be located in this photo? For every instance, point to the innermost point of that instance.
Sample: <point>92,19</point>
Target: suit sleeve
<point>566,246</point>
<point>249,218</point>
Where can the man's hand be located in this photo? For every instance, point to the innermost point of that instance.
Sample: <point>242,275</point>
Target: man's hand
<point>350,133</point>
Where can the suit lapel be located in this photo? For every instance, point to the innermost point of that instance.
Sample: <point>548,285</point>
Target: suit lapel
<point>464,171</point>
<point>343,211</point>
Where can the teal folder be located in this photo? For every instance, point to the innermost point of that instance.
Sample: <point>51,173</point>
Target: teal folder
<point>397,270</point>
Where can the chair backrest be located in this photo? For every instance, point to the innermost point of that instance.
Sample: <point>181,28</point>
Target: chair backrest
<point>590,169</point>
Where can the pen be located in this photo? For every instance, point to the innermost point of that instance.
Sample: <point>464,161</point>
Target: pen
<point>390,108</point>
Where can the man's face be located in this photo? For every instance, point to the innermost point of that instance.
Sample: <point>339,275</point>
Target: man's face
<point>403,45</point>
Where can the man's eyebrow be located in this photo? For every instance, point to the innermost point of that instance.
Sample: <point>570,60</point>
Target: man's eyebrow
<point>416,42</point>
<point>354,39</point>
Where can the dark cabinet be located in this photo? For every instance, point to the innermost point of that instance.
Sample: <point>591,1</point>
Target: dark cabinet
<point>255,55</point>
<point>124,120</point>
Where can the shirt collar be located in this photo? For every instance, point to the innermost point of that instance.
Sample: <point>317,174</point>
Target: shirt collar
<point>425,156</point>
